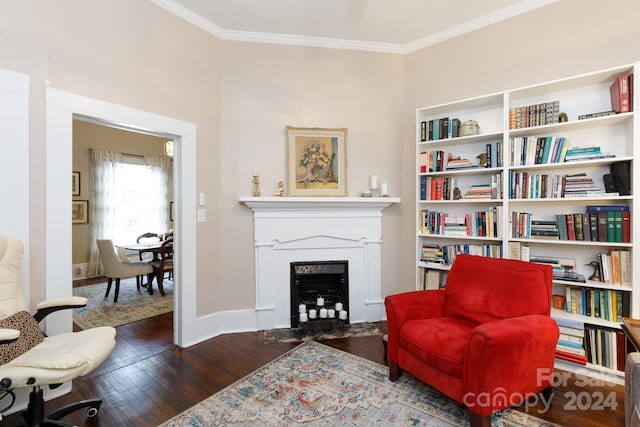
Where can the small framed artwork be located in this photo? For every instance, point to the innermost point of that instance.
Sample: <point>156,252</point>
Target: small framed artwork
<point>79,211</point>
<point>316,162</point>
<point>75,184</point>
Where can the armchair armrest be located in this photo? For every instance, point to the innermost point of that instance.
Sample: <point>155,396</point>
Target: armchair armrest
<point>47,307</point>
<point>7,336</point>
<point>509,357</point>
<point>410,306</point>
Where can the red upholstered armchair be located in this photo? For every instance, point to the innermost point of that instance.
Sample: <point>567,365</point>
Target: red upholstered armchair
<point>486,340</point>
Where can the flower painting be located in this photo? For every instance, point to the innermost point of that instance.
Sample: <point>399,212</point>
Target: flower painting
<point>316,162</point>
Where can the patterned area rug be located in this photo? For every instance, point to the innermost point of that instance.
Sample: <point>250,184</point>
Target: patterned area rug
<point>132,305</point>
<point>322,330</point>
<point>317,385</point>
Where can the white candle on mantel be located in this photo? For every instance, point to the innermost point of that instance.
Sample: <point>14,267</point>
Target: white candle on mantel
<point>343,315</point>
<point>302,308</point>
<point>338,306</point>
<point>323,313</point>
<point>255,172</point>
<point>303,317</point>
<point>312,313</point>
<point>331,313</point>
<point>383,189</point>
<point>320,302</point>
<point>374,183</point>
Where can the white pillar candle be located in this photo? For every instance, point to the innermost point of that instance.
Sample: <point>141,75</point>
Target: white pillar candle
<point>255,172</point>
<point>374,182</point>
<point>331,313</point>
<point>320,302</point>
<point>383,189</point>
<point>323,313</point>
<point>302,308</point>
<point>303,317</point>
<point>338,306</point>
<point>343,315</point>
<point>313,313</point>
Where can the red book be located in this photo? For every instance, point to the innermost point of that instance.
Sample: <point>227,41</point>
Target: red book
<point>571,227</point>
<point>571,357</point>
<point>619,91</point>
<point>626,227</point>
<point>423,162</point>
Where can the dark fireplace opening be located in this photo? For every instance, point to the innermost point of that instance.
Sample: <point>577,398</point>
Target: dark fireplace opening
<point>322,286</point>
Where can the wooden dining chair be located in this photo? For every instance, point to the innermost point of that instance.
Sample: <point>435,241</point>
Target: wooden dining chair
<point>163,264</point>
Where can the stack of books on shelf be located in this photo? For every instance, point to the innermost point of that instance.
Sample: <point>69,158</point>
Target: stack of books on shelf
<point>571,342</point>
<point>544,230</point>
<point>478,223</point>
<point>605,347</point>
<point>604,304</point>
<point>456,163</point>
<point>432,253</point>
<point>585,153</point>
<point>478,191</point>
<point>580,185</point>
<point>443,128</point>
<point>563,268</point>
<point>534,115</point>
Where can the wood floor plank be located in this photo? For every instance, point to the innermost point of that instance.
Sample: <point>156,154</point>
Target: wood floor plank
<point>147,380</point>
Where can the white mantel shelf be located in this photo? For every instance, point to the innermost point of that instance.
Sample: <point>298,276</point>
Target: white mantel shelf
<point>293,229</point>
<point>318,203</point>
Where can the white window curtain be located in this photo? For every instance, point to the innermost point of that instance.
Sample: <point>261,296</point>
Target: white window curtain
<point>130,196</point>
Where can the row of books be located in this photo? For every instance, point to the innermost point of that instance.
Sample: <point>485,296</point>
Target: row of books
<point>526,185</point>
<point>536,150</point>
<point>596,225</point>
<point>494,151</point>
<point>447,188</point>
<point>545,113</point>
<point>605,347</point>
<point>478,223</point>
<point>446,255</point>
<point>443,128</point>
<point>621,93</point>
<point>604,304</point>
<point>609,223</point>
<point>614,266</point>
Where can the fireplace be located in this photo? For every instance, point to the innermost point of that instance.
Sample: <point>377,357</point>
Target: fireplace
<point>308,229</point>
<point>314,282</point>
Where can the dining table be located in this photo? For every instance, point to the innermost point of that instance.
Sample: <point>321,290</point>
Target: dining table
<point>155,248</point>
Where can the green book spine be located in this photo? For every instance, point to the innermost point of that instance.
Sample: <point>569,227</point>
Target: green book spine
<point>611,228</point>
<point>617,223</point>
<point>561,220</point>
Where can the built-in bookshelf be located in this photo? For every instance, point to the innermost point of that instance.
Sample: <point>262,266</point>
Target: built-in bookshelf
<point>542,173</point>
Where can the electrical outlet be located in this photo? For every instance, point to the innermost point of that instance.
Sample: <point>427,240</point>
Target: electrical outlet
<point>202,215</point>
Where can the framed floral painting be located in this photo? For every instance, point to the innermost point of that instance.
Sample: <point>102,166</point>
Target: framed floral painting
<point>316,162</point>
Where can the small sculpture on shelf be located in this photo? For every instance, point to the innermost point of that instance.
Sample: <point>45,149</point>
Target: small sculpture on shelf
<point>457,194</point>
<point>280,191</point>
<point>596,271</point>
<point>483,159</point>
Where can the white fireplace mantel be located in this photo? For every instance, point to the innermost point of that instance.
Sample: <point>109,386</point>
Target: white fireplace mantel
<point>293,229</point>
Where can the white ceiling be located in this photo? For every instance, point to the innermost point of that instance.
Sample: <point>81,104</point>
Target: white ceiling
<point>395,26</point>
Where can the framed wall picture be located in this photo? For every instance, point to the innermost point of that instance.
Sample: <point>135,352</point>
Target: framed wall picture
<point>79,211</point>
<point>316,162</point>
<point>75,184</point>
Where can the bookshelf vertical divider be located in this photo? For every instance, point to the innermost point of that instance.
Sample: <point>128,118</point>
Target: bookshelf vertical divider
<point>498,175</point>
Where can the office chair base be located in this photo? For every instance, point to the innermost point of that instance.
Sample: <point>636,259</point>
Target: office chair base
<point>34,415</point>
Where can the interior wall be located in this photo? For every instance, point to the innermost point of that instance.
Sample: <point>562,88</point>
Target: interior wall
<point>563,39</point>
<point>91,135</point>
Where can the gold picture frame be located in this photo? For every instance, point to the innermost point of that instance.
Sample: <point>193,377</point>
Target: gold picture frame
<point>75,183</point>
<point>79,211</point>
<point>316,162</point>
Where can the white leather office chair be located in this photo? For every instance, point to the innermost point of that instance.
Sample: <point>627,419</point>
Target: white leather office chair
<point>29,358</point>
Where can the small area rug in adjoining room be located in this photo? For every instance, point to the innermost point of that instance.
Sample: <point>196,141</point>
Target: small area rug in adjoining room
<point>317,385</point>
<point>132,305</point>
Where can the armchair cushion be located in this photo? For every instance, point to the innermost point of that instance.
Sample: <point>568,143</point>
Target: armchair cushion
<point>30,335</point>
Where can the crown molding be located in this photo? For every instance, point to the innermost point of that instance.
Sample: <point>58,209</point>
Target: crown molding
<point>331,43</point>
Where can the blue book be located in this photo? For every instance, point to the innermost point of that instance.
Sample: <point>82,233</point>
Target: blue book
<point>608,208</point>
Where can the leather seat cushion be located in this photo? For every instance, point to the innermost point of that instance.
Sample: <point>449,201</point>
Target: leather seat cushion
<point>440,342</point>
<point>30,335</point>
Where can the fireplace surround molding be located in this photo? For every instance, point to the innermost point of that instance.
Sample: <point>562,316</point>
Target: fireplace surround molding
<point>296,229</point>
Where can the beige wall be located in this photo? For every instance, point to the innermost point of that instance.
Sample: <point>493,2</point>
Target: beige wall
<point>242,95</point>
<point>90,135</point>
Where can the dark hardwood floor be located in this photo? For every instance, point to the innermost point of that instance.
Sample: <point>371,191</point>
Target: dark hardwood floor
<point>148,380</point>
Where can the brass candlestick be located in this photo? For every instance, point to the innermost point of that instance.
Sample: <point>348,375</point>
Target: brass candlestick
<point>256,186</point>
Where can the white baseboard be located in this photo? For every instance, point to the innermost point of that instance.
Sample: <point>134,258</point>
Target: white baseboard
<point>79,271</point>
